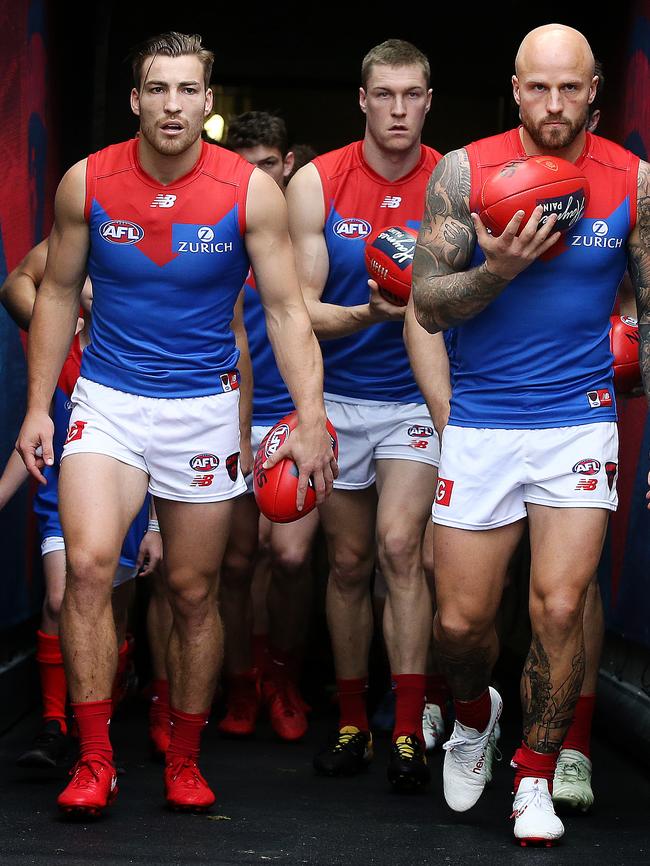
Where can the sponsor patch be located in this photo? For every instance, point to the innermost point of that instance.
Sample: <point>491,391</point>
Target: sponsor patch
<point>610,471</point>
<point>587,484</point>
<point>420,431</point>
<point>600,399</point>
<point>202,481</point>
<point>229,381</point>
<point>444,490</point>
<point>75,431</point>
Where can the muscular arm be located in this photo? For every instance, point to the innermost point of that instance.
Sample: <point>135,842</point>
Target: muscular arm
<point>430,365</point>
<point>55,316</point>
<point>18,292</point>
<point>288,326</point>
<point>306,224</point>
<point>639,269</point>
<point>445,292</point>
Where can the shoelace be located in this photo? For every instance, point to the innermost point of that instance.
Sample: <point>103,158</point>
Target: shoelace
<point>572,771</point>
<point>194,775</point>
<point>344,739</point>
<point>406,747</point>
<point>531,798</point>
<point>80,771</point>
<point>467,751</point>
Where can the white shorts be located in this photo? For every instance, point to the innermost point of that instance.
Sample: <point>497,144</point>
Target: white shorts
<point>487,476</point>
<point>258,432</point>
<point>123,573</point>
<point>189,447</point>
<point>379,431</point>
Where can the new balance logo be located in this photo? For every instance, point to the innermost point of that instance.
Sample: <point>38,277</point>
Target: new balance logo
<point>202,481</point>
<point>163,200</point>
<point>392,201</point>
<point>587,484</point>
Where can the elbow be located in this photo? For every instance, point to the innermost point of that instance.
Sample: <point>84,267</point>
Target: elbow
<point>425,314</point>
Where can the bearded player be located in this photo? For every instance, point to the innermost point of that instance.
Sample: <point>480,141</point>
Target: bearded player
<point>156,406</point>
<point>532,400</point>
<point>388,445</point>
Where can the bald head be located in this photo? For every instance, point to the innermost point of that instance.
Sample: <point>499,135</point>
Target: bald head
<point>554,44</point>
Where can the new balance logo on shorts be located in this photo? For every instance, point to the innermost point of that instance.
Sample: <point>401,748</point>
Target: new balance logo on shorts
<point>202,481</point>
<point>444,490</point>
<point>587,484</point>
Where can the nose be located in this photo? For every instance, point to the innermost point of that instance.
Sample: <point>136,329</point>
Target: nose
<point>172,105</point>
<point>398,107</point>
<point>554,101</point>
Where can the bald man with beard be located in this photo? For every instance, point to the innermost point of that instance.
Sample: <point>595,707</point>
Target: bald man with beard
<point>532,428</point>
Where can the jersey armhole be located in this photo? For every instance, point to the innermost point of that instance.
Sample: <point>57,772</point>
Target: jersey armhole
<point>242,197</point>
<point>325,188</point>
<point>474,172</point>
<point>633,188</point>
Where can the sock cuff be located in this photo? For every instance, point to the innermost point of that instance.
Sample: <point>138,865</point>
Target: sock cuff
<point>48,648</point>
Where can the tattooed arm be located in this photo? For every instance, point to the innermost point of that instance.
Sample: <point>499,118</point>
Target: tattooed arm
<point>638,253</point>
<point>444,292</point>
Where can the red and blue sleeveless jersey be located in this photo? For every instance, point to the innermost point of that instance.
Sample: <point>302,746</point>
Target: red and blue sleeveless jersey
<point>271,399</point>
<point>166,264</point>
<point>538,355</point>
<point>372,363</point>
<point>46,500</point>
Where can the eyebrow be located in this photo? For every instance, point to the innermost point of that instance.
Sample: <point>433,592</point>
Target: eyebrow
<point>165,83</point>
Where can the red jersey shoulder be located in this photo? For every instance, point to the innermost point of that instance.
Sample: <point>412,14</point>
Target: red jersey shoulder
<point>610,154</point>
<point>431,157</point>
<point>111,159</point>
<point>336,162</point>
<point>495,149</point>
<point>225,165</point>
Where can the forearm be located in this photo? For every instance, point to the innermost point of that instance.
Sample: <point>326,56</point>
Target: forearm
<point>50,334</point>
<point>330,321</point>
<point>12,478</point>
<point>430,364</point>
<point>18,295</point>
<point>299,360</point>
<point>448,300</point>
<point>644,355</point>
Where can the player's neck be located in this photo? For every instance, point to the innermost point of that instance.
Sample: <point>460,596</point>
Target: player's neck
<point>570,153</point>
<point>390,165</point>
<point>166,169</point>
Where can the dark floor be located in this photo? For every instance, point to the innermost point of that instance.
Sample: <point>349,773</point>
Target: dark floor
<point>271,808</point>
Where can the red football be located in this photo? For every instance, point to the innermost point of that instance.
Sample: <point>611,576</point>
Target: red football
<point>555,184</point>
<point>275,488</point>
<point>389,260</point>
<point>624,344</point>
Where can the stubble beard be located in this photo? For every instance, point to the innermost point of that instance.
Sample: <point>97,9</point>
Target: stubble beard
<point>170,146</point>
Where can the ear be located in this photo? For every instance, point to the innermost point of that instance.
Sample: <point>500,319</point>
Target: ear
<point>287,166</point>
<point>135,102</point>
<point>429,95</point>
<point>209,100</point>
<point>593,89</point>
<point>363,99</point>
<point>515,89</point>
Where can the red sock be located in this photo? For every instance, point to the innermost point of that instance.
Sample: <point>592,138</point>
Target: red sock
<point>260,647</point>
<point>437,690</point>
<point>352,703</point>
<point>474,714</point>
<point>409,704</point>
<point>93,719</point>
<point>119,683</point>
<point>54,687</point>
<point>578,736</point>
<point>529,763</point>
<point>186,734</point>
<point>159,706</point>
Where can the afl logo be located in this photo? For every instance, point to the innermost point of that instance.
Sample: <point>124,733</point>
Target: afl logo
<point>352,228</point>
<point>589,466</point>
<point>550,164</point>
<point>629,320</point>
<point>206,234</point>
<point>277,437</point>
<point>600,228</point>
<point>418,430</point>
<point>121,232</point>
<point>204,462</point>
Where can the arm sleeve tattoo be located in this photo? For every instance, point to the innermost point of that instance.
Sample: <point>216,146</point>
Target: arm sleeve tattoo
<point>639,268</point>
<point>444,292</point>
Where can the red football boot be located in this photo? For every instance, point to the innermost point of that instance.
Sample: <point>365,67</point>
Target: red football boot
<point>185,787</point>
<point>242,705</point>
<point>92,788</point>
<point>286,709</point>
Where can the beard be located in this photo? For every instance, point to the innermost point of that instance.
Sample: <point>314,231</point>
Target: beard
<point>170,146</point>
<point>554,138</point>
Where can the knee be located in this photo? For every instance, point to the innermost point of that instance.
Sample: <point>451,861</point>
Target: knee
<point>192,596</point>
<point>461,628</point>
<point>52,603</point>
<point>350,569</point>
<point>290,562</point>
<point>399,548</point>
<point>557,613</point>
<point>89,573</point>
<point>237,571</point>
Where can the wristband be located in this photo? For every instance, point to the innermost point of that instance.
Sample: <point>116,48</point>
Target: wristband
<point>153,526</point>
